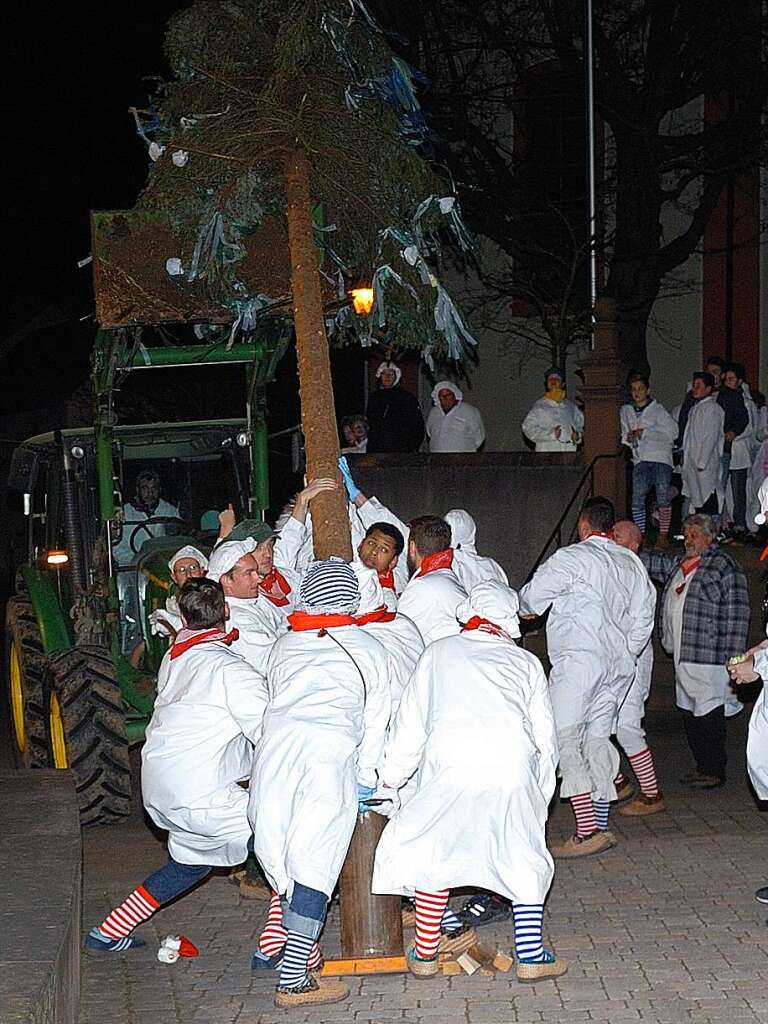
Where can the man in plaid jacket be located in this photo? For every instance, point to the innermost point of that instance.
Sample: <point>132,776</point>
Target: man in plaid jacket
<point>704,620</point>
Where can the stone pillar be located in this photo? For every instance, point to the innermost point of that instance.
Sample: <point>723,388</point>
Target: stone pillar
<point>603,392</point>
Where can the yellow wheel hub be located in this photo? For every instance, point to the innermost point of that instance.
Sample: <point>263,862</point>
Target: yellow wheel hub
<point>17,699</point>
<point>58,743</point>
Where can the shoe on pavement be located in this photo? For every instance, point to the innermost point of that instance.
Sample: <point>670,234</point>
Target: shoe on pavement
<point>643,805</point>
<point>260,962</point>
<point>762,895</point>
<point>97,942</point>
<point>625,791</point>
<point>421,968</point>
<point>707,781</point>
<point>455,943</point>
<point>550,967</point>
<point>484,908</point>
<point>313,992</point>
<point>576,846</point>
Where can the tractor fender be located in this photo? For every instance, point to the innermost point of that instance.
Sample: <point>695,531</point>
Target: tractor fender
<point>55,630</point>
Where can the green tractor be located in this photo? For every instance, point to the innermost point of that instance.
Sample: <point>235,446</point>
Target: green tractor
<point>81,660</point>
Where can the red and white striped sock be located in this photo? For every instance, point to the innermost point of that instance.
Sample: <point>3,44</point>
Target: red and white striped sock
<point>665,519</point>
<point>584,812</point>
<point>139,906</point>
<point>620,780</point>
<point>272,938</point>
<point>642,766</point>
<point>429,914</point>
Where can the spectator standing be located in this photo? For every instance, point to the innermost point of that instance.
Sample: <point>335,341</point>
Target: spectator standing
<point>554,423</point>
<point>741,447</point>
<point>703,446</point>
<point>394,415</point>
<point>705,618</point>
<point>649,431</point>
<point>356,434</point>
<point>453,425</point>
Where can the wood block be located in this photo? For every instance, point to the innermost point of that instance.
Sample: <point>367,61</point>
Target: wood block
<point>487,972</point>
<point>467,963</point>
<point>482,955</point>
<point>503,961</point>
<point>451,968</point>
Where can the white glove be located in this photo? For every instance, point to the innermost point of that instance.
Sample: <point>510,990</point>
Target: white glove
<point>158,623</point>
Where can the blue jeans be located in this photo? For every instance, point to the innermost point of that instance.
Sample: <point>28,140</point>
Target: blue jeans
<point>173,879</point>
<point>649,476</point>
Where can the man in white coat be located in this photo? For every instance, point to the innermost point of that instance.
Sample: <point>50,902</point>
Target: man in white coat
<point>453,425</point>
<point>601,618</point>
<point>477,814</point>
<point>433,593</point>
<point>321,745</point>
<point>199,745</point>
<point>470,567</point>
<point>257,620</point>
<point>754,667</point>
<point>187,563</point>
<point>703,447</point>
<point>554,423</point>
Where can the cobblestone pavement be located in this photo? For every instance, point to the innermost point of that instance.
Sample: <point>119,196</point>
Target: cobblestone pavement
<point>664,928</point>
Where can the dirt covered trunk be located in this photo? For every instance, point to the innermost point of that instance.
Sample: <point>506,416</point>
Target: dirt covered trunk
<point>330,522</point>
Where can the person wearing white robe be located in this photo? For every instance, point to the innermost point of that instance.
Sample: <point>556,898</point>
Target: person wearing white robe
<point>475,724</point>
<point>187,563</point>
<point>453,425</point>
<point>433,593</point>
<point>199,746</point>
<point>554,423</point>
<point>257,620</point>
<point>601,615</point>
<point>470,567</point>
<point>320,747</point>
<point>703,447</point>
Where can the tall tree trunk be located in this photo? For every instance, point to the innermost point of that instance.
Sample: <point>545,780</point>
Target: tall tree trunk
<point>330,522</point>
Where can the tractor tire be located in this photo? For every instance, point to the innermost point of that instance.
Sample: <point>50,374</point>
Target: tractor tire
<point>87,732</point>
<point>25,669</point>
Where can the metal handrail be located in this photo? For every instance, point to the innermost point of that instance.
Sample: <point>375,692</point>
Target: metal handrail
<point>557,532</point>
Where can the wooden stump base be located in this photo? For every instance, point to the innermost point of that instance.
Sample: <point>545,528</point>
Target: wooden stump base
<point>365,965</point>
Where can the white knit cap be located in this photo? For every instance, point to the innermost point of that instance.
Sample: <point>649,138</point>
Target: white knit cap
<point>225,556</point>
<point>446,385</point>
<point>762,497</point>
<point>188,552</point>
<point>390,366</point>
<point>494,601</point>
<point>371,593</point>
<point>330,586</point>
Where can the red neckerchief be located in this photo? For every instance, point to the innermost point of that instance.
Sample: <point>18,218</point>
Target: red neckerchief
<point>379,614</point>
<point>437,560</point>
<point>764,554</point>
<point>206,636</point>
<point>387,580</point>
<point>301,621</point>
<point>485,626</point>
<point>688,565</point>
<point>274,587</point>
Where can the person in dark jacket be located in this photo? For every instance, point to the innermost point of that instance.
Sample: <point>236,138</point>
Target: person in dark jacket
<point>394,415</point>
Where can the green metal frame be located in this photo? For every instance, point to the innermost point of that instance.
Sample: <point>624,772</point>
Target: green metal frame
<point>55,631</point>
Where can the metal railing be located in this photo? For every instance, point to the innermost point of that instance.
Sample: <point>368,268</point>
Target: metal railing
<point>556,536</point>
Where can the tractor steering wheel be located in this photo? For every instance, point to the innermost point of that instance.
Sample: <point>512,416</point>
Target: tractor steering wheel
<point>147,523</point>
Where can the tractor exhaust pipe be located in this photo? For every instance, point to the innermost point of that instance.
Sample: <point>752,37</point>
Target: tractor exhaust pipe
<point>70,511</point>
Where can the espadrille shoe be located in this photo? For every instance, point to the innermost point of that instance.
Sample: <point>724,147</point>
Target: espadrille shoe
<point>420,968</point>
<point>625,791</point>
<point>551,967</point>
<point>574,846</point>
<point>643,805</point>
<point>457,942</point>
<point>313,992</point>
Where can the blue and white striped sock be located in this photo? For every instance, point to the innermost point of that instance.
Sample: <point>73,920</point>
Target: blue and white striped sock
<point>638,517</point>
<point>528,925</point>
<point>602,807</point>
<point>450,923</point>
<point>293,973</point>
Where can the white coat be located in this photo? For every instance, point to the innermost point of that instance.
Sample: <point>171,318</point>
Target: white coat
<point>756,477</point>
<point>742,446</point>
<point>460,429</point>
<point>431,602</point>
<point>132,517</point>
<point>757,739</point>
<point>601,619</point>
<point>702,448</point>
<point>545,416</point>
<point>372,511</point>
<point>629,727</point>
<point>323,733</point>
<point>207,715</point>
<point>403,643</point>
<point>470,567</point>
<point>476,723</point>
<point>659,432</point>
<point>259,624</point>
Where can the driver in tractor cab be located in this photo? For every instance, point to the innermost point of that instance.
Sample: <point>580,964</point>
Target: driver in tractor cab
<point>146,506</point>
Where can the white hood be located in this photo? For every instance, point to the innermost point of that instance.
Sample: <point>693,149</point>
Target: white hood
<point>446,385</point>
<point>493,601</point>
<point>463,529</point>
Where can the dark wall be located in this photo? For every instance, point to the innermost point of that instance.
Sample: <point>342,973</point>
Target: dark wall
<point>516,498</point>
